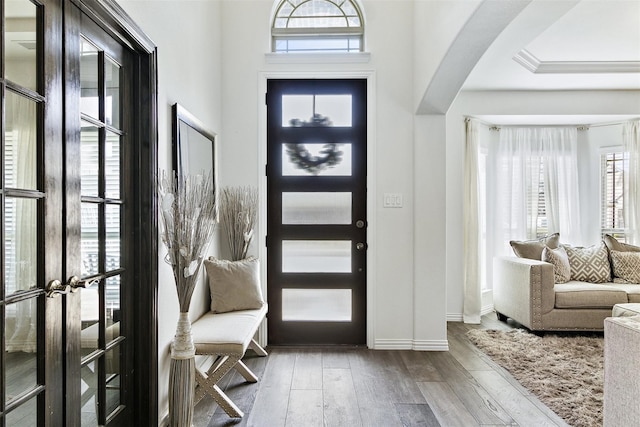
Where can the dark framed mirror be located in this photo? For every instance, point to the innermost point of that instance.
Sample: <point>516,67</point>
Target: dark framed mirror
<point>194,146</point>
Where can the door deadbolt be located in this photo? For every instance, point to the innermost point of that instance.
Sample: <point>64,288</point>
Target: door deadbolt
<point>360,223</point>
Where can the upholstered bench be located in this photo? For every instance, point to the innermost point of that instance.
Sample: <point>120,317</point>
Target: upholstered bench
<point>226,336</point>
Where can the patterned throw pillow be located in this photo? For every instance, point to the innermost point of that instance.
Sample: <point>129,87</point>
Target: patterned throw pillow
<point>589,264</point>
<point>614,245</point>
<point>626,265</point>
<point>560,261</point>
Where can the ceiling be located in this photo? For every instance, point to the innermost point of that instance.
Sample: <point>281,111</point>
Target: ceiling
<point>565,45</point>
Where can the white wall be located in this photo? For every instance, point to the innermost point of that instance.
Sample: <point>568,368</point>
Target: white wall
<point>437,23</point>
<point>528,107</point>
<point>188,37</point>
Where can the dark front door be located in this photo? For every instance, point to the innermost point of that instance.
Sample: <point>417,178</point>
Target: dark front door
<point>316,226</point>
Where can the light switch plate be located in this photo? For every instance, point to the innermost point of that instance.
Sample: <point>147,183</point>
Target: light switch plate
<point>392,200</point>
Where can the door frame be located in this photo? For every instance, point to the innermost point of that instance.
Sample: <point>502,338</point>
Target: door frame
<point>142,396</point>
<point>370,77</point>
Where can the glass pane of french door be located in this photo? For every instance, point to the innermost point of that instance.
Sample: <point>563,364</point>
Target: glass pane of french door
<point>101,205</point>
<point>316,178</point>
<point>22,201</point>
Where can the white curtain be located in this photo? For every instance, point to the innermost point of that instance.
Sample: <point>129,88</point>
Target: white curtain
<point>21,120</point>
<point>471,212</point>
<point>631,141</point>
<point>524,162</point>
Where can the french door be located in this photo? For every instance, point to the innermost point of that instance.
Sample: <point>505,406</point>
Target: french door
<point>316,225</point>
<point>74,194</point>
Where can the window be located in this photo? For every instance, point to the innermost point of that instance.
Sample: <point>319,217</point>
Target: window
<point>317,26</point>
<point>537,204</point>
<point>613,168</point>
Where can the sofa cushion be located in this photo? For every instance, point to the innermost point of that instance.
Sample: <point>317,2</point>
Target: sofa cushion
<point>558,258</point>
<point>632,290</point>
<point>589,264</point>
<point>588,295</point>
<point>626,265</point>
<point>532,249</point>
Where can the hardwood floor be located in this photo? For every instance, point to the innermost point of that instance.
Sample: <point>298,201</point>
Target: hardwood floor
<point>383,388</point>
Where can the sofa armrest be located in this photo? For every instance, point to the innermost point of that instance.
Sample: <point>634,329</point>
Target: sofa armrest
<point>523,289</point>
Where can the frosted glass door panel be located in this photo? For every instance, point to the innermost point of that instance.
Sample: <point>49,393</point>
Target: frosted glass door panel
<point>316,208</point>
<point>316,110</point>
<point>316,305</point>
<point>316,256</point>
<point>316,159</point>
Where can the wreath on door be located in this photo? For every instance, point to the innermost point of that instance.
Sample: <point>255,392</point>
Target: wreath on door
<point>303,159</point>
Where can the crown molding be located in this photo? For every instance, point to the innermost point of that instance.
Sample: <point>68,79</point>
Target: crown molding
<point>536,66</point>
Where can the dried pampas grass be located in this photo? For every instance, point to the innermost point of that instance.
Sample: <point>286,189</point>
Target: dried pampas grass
<point>238,212</point>
<point>188,214</point>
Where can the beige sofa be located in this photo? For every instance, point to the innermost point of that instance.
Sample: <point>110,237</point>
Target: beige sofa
<point>524,290</point>
<point>527,291</point>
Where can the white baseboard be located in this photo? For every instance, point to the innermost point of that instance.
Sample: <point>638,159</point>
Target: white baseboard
<point>458,317</point>
<point>431,345</point>
<point>454,317</point>
<point>418,345</point>
<point>391,344</point>
<point>486,310</point>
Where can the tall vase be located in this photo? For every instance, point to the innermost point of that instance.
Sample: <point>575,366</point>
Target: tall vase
<point>182,375</point>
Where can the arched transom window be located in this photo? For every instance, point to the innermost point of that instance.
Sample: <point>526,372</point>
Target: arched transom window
<point>317,26</point>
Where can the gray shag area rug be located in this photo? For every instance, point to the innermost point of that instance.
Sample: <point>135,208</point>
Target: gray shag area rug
<point>566,372</point>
